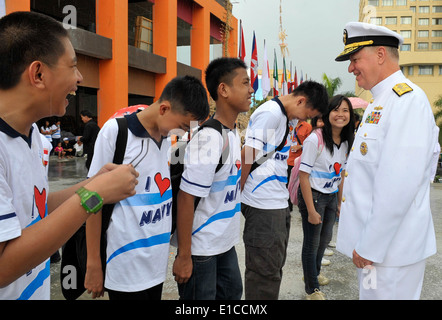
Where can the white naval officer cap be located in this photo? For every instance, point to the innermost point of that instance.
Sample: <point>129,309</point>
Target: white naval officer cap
<point>358,35</point>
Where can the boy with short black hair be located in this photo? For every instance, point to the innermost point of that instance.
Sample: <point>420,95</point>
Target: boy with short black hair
<point>38,70</point>
<point>138,235</point>
<point>206,266</point>
<point>265,195</point>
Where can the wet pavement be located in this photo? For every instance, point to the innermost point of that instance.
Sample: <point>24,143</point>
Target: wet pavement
<point>341,272</point>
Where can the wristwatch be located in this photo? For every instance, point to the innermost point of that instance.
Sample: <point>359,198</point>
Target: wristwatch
<point>90,200</point>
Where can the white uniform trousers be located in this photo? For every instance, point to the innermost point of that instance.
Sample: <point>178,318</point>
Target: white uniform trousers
<point>391,283</point>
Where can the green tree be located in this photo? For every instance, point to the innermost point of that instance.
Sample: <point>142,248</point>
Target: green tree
<point>331,84</point>
<point>438,115</point>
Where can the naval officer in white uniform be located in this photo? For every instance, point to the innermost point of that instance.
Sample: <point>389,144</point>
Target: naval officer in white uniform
<point>386,224</point>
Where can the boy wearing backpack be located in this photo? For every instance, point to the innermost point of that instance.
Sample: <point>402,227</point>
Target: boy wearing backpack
<point>206,266</point>
<point>138,235</point>
<point>265,196</point>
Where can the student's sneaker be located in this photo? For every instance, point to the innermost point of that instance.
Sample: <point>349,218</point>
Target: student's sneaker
<point>325,262</point>
<point>332,244</point>
<point>328,252</point>
<point>322,280</point>
<point>317,295</point>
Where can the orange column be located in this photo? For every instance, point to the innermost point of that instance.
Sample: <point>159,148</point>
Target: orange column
<point>233,40</point>
<point>111,16</point>
<point>200,39</point>
<point>17,5</point>
<point>165,40</point>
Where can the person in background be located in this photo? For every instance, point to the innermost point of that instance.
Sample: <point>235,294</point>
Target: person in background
<point>78,148</point>
<point>321,176</point>
<point>297,136</point>
<point>56,133</point>
<point>90,134</point>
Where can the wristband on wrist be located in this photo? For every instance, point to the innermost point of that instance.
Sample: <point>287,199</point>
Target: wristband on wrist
<point>90,200</point>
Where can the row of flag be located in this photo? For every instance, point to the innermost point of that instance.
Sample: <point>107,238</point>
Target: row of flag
<point>288,85</point>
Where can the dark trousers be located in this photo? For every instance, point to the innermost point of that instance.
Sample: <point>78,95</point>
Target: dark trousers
<point>153,293</point>
<point>266,235</point>
<point>316,237</point>
<point>213,278</point>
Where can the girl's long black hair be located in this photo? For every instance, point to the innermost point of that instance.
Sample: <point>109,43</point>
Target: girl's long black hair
<point>347,133</point>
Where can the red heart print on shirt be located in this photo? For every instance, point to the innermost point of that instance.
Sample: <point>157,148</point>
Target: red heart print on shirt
<point>40,201</point>
<point>337,167</point>
<point>238,164</point>
<point>163,184</point>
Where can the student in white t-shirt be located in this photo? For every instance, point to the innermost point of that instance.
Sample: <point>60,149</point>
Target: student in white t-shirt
<point>265,196</point>
<point>206,267</point>
<point>56,133</point>
<point>321,176</point>
<point>38,70</point>
<point>138,235</point>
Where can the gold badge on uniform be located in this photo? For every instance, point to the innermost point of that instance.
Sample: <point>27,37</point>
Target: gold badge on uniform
<point>364,148</point>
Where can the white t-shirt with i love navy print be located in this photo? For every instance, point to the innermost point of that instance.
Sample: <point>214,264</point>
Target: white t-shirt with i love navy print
<point>139,231</point>
<point>24,189</point>
<point>216,223</point>
<point>324,168</point>
<point>266,186</point>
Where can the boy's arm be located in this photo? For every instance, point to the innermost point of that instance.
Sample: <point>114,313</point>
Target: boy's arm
<point>313,216</point>
<point>248,155</point>
<point>182,267</point>
<point>40,240</point>
<point>94,280</point>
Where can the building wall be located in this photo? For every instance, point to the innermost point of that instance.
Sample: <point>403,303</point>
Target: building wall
<point>409,18</point>
<point>118,69</point>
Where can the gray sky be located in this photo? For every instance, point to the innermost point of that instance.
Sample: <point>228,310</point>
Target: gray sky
<point>314,31</point>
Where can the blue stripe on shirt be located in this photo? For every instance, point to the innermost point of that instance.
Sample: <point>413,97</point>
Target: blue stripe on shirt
<point>282,179</point>
<point>142,243</point>
<point>219,216</point>
<point>218,186</point>
<point>36,283</point>
<point>147,199</point>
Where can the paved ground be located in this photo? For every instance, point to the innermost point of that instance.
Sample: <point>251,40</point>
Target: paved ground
<point>343,284</point>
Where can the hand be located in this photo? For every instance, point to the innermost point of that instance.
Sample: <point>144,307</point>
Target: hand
<point>94,280</point>
<point>360,262</point>
<point>314,217</point>
<point>114,182</point>
<point>182,269</point>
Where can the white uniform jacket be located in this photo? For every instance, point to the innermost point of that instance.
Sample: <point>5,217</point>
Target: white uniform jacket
<point>385,214</point>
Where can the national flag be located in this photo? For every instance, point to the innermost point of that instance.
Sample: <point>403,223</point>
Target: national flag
<point>275,76</point>
<point>295,84</point>
<point>290,81</point>
<point>265,78</point>
<point>242,49</point>
<point>284,78</point>
<point>254,65</point>
<point>302,78</point>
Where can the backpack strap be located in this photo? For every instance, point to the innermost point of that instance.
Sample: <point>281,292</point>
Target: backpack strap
<point>267,156</point>
<point>120,149</point>
<point>218,126</point>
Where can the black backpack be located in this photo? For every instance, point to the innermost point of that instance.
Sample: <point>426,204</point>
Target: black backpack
<point>177,163</point>
<point>74,252</point>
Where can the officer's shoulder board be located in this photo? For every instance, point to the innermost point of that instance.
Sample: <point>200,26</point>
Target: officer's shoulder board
<point>402,88</point>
